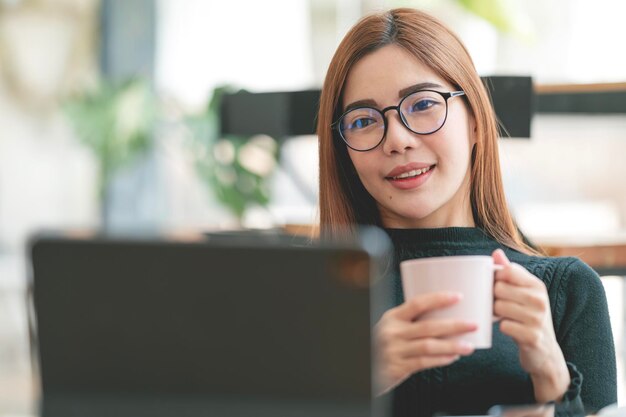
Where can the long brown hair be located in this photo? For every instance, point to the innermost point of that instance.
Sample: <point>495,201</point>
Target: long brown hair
<point>344,201</point>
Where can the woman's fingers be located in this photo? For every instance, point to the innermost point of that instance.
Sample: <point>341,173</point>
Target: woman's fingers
<point>415,307</point>
<point>499,258</point>
<point>520,295</point>
<point>435,347</point>
<point>513,273</point>
<point>517,275</point>
<point>518,312</point>
<point>408,343</point>
<point>438,328</point>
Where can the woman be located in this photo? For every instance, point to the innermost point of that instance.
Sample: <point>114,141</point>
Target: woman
<point>408,142</point>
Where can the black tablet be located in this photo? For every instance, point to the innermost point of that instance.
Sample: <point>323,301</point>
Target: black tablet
<point>241,326</point>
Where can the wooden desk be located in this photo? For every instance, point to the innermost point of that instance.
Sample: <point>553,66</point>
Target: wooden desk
<point>606,253</point>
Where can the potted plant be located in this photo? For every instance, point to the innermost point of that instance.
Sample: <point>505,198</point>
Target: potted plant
<point>235,168</point>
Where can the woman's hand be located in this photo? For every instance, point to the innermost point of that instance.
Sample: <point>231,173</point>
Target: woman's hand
<point>406,344</point>
<point>521,301</point>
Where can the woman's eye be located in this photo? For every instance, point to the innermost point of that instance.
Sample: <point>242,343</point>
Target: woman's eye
<point>361,123</point>
<point>422,105</point>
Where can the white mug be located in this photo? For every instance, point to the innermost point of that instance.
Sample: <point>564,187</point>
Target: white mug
<point>472,276</point>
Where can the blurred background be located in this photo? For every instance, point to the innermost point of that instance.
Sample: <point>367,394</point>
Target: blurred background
<point>110,118</point>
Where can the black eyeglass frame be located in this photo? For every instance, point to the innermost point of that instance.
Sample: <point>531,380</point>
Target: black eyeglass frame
<point>446,96</point>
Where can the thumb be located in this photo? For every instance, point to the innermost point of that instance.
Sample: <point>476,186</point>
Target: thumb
<point>499,258</point>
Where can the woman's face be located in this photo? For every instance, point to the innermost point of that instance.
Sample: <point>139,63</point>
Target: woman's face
<point>438,197</point>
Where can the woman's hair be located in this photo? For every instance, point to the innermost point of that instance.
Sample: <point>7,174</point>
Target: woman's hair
<point>344,201</point>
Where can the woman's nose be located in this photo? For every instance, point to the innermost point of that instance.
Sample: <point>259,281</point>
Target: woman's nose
<point>398,138</point>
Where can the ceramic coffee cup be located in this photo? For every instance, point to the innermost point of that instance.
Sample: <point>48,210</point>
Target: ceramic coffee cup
<point>472,276</point>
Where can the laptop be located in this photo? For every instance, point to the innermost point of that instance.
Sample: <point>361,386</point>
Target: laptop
<point>236,326</point>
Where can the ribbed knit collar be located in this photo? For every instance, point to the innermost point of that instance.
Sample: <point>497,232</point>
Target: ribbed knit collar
<point>448,237</point>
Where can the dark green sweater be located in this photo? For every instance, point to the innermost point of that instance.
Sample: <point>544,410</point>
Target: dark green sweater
<point>494,376</point>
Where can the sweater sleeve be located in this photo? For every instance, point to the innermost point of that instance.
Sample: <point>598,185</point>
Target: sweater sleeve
<point>583,330</point>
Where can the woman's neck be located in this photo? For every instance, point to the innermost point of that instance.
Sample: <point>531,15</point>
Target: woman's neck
<point>435,220</point>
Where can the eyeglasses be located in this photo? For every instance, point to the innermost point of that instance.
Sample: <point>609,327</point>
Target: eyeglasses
<point>422,112</point>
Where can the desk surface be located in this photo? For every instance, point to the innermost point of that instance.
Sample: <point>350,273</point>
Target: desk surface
<point>605,253</point>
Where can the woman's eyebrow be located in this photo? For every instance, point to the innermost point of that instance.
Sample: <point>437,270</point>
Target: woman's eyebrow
<point>405,91</point>
<point>417,87</point>
<point>361,103</point>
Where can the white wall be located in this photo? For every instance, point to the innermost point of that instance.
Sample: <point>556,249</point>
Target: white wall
<point>258,45</point>
<point>573,165</point>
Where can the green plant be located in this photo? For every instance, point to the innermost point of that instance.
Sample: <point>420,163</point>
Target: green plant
<point>501,14</point>
<point>116,122</point>
<point>236,168</point>
<point>493,11</point>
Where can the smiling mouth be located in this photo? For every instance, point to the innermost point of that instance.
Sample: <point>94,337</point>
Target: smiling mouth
<point>411,174</point>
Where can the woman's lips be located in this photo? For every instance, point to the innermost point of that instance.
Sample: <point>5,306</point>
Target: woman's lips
<point>412,181</point>
<point>403,169</point>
